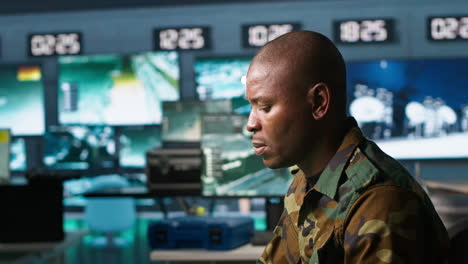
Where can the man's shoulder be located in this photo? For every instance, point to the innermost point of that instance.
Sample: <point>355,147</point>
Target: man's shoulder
<point>370,167</point>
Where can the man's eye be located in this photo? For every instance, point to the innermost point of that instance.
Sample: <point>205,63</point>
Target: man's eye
<point>265,108</point>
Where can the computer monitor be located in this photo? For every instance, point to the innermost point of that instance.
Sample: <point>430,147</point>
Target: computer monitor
<point>134,141</point>
<point>22,99</point>
<point>230,166</point>
<point>4,155</point>
<point>414,109</point>
<point>18,159</point>
<point>116,89</point>
<point>182,120</point>
<point>80,148</point>
<point>223,78</point>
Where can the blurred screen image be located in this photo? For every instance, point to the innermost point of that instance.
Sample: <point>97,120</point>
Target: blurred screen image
<point>80,148</point>
<point>22,99</point>
<point>116,89</point>
<point>413,109</point>
<point>18,154</point>
<point>230,166</point>
<point>223,78</point>
<point>134,141</point>
<point>182,119</point>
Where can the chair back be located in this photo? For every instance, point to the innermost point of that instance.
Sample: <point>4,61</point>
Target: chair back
<point>109,214</point>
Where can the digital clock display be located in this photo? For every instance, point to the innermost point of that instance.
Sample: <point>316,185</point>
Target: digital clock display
<point>182,38</point>
<point>257,35</point>
<point>54,44</point>
<point>363,31</point>
<point>447,28</point>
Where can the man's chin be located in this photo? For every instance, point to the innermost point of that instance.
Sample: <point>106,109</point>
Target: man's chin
<point>272,164</point>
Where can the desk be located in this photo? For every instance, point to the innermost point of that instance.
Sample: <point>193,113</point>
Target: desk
<point>132,191</point>
<point>49,252</point>
<point>246,253</point>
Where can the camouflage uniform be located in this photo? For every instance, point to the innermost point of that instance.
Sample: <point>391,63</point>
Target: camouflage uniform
<point>364,208</point>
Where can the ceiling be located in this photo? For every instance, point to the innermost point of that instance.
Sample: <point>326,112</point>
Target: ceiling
<point>34,6</point>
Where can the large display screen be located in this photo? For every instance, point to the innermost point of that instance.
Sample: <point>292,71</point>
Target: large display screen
<point>116,89</point>
<point>22,99</point>
<point>413,109</point>
<point>18,154</point>
<point>80,148</point>
<point>182,120</point>
<point>134,141</point>
<point>223,78</point>
<point>230,166</point>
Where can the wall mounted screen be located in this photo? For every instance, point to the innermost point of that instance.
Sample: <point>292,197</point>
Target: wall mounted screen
<point>134,141</point>
<point>79,148</point>
<point>231,167</point>
<point>116,89</point>
<point>413,109</point>
<point>182,120</point>
<point>18,154</point>
<point>223,78</point>
<point>22,99</point>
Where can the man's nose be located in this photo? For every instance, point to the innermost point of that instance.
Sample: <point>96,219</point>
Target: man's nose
<point>253,124</point>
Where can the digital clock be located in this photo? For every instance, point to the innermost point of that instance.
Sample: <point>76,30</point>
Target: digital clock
<point>182,38</point>
<point>51,44</point>
<point>257,35</point>
<point>354,31</point>
<point>447,28</point>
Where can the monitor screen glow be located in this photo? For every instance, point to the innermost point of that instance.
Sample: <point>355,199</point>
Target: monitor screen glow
<point>116,89</point>
<point>134,141</point>
<point>413,109</point>
<point>182,120</point>
<point>18,154</point>
<point>223,78</point>
<point>22,99</point>
<point>80,148</point>
<point>231,167</point>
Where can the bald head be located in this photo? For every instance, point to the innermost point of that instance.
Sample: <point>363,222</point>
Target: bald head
<point>296,87</point>
<point>307,58</point>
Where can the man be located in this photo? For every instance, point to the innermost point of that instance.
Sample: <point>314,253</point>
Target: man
<point>349,202</point>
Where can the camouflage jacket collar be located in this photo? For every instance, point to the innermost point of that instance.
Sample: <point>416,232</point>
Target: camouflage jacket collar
<point>328,181</point>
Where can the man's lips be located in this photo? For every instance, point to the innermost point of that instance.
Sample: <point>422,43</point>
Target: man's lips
<point>259,147</point>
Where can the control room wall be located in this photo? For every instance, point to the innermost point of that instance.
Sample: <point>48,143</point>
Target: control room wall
<point>130,30</point>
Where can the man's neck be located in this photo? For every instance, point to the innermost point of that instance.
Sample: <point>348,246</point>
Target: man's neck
<point>323,151</point>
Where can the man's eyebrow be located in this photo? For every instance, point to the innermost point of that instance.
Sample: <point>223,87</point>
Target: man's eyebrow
<point>257,99</point>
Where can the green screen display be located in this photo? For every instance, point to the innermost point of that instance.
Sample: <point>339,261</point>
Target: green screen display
<point>22,99</point>
<point>18,154</point>
<point>223,78</point>
<point>80,148</point>
<point>230,166</point>
<point>117,89</point>
<point>182,120</point>
<point>134,141</point>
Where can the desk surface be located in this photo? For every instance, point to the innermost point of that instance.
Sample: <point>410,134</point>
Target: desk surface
<point>246,252</point>
<point>38,252</point>
<point>70,238</point>
<point>133,191</point>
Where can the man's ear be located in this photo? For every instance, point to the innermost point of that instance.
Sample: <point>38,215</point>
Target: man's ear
<point>318,97</point>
